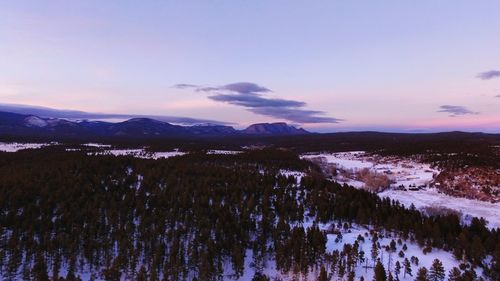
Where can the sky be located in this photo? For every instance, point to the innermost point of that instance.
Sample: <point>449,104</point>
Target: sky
<point>409,66</point>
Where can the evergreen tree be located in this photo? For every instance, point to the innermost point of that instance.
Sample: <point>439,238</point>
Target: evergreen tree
<point>342,269</point>
<point>323,275</point>
<point>351,275</point>
<point>436,272</point>
<point>379,272</point>
<point>154,274</point>
<point>477,250</point>
<point>407,268</point>
<point>455,274</point>
<point>422,274</point>
<point>39,272</point>
<point>112,273</point>
<point>374,251</point>
<point>397,269</point>
<point>260,277</point>
<point>469,275</point>
<point>142,275</point>
<point>56,264</point>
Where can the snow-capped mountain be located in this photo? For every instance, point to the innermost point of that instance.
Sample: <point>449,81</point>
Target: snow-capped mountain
<point>31,125</point>
<point>273,129</point>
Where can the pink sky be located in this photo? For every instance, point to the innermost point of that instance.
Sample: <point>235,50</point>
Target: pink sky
<point>377,66</point>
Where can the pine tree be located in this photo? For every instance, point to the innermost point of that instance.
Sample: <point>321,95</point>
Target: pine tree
<point>238,259</point>
<point>335,260</point>
<point>436,272</point>
<point>374,251</point>
<point>397,269</point>
<point>393,245</point>
<point>323,275</point>
<point>56,264</point>
<point>351,275</point>
<point>477,250</point>
<point>154,275</point>
<point>112,273</point>
<point>469,275</point>
<point>341,269</point>
<point>455,274</point>
<point>379,272</point>
<point>495,267</point>
<point>26,273</point>
<point>422,274</point>
<point>142,275</point>
<point>39,272</point>
<point>407,268</point>
<point>260,277</point>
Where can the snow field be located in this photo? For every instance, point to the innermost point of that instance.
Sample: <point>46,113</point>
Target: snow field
<point>408,173</point>
<point>15,146</point>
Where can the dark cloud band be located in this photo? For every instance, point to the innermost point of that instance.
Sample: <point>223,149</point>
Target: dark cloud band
<point>74,114</point>
<point>487,75</point>
<point>251,100</point>
<point>295,114</point>
<point>251,96</point>
<point>456,110</point>
<point>184,86</point>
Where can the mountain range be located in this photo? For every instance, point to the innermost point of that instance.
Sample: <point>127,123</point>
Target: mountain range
<point>15,124</point>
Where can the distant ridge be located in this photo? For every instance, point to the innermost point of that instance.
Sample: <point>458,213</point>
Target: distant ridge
<point>273,129</point>
<point>14,124</point>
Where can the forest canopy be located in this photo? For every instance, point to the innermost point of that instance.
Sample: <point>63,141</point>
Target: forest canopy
<point>184,217</point>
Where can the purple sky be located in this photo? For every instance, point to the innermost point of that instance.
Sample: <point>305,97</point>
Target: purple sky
<point>324,65</point>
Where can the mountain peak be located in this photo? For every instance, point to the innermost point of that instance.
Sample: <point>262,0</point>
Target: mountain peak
<point>279,128</point>
<point>142,120</point>
<point>35,121</point>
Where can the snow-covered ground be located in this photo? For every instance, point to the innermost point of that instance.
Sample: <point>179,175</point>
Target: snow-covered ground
<point>224,152</point>
<point>139,153</point>
<point>347,160</point>
<point>297,174</point>
<point>165,154</point>
<point>16,146</point>
<point>362,269</point>
<point>413,249</point>
<point>407,172</point>
<point>432,198</point>
<point>99,145</point>
<point>349,236</point>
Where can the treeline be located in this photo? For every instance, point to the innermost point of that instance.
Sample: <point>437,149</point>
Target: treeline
<point>454,148</point>
<point>191,217</point>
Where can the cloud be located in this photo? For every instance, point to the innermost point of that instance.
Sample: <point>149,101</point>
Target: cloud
<point>81,115</point>
<point>184,86</point>
<point>251,96</point>
<point>252,100</point>
<point>246,88</point>
<point>497,96</point>
<point>240,87</point>
<point>455,110</point>
<point>295,114</point>
<point>487,75</point>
